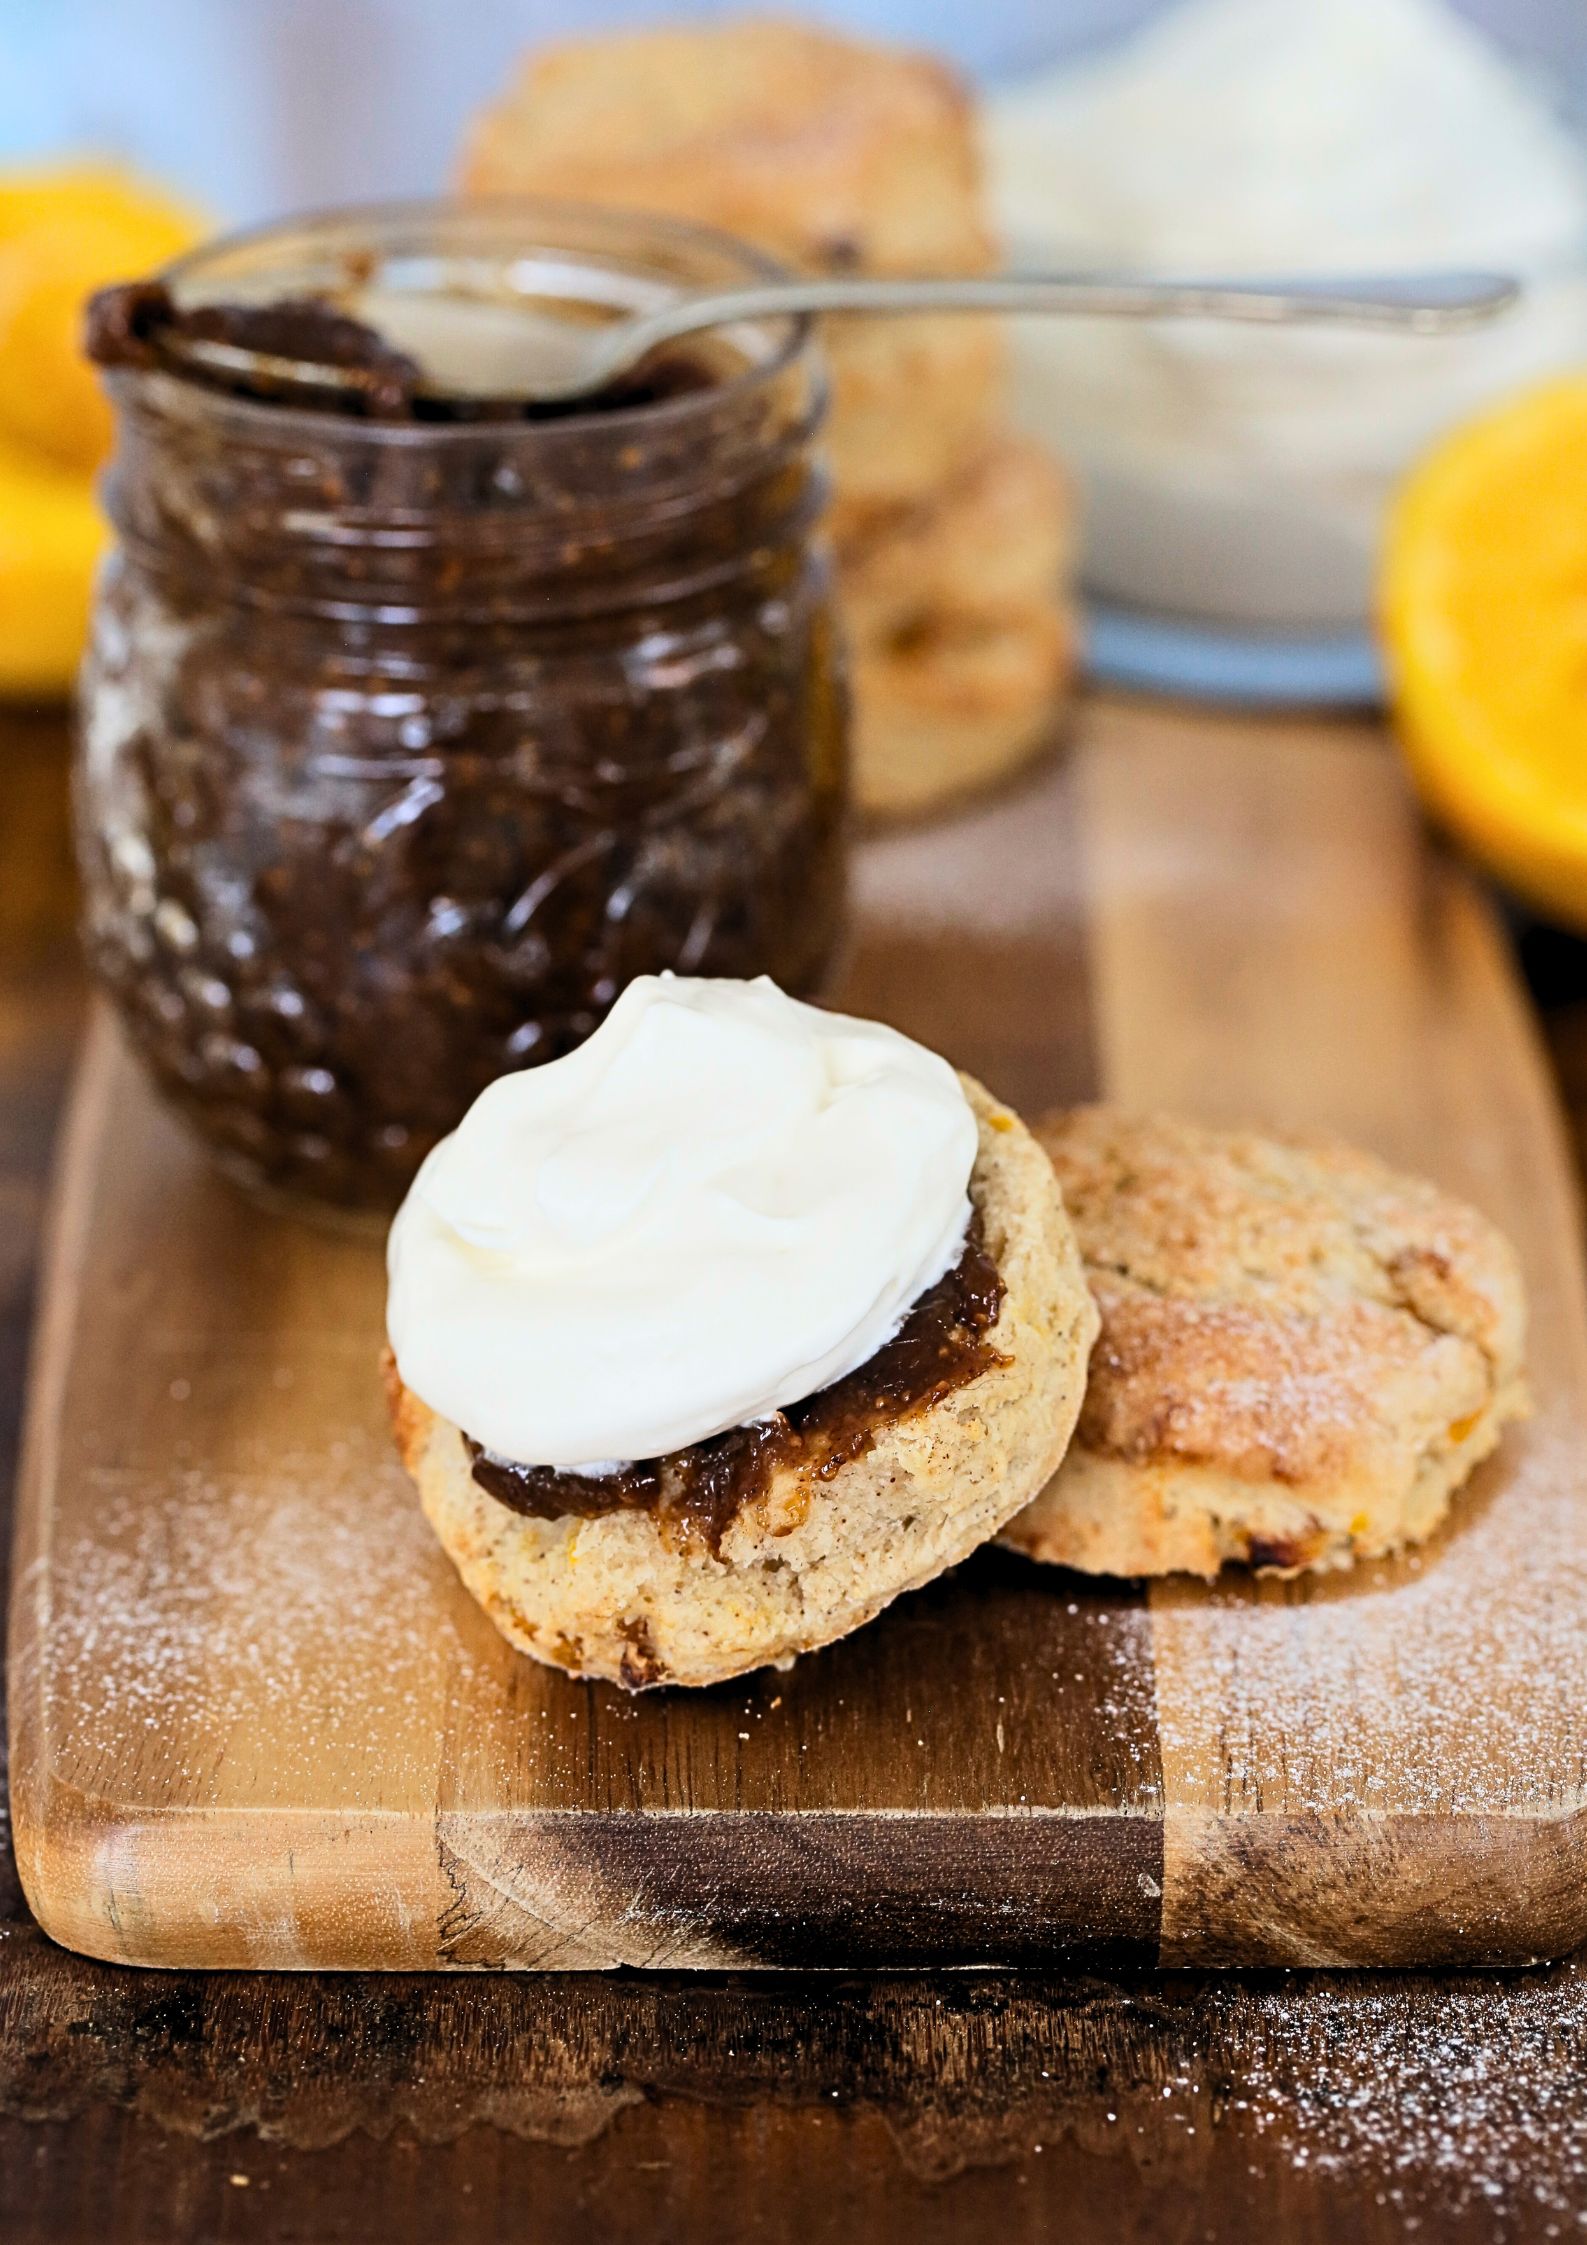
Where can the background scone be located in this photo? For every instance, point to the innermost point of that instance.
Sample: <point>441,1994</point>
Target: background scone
<point>915,402</point>
<point>996,537</point>
<point>839,155</point>
<point>1303,1353</point>
<point>629,1597</point>
<point>955,704</point>
<point>961,657</point>
<point>830,152</point>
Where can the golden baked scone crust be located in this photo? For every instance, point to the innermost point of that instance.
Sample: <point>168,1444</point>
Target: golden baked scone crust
<point>962,702</point>
<point>812,1559</point>
<point>828,151</point>
<point>1303,1353</point>
<point>915,403</point>
<point>998,536</point>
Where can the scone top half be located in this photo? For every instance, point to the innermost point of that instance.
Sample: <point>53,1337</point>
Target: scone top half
<point>713,1337</point>
<point>1303,1352</point>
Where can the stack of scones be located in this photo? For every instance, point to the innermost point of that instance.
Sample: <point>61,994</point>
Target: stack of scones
<point>952,532</point>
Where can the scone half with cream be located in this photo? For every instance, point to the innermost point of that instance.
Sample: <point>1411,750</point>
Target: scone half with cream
<point>1303,1353</point>
<point>713,1337</point>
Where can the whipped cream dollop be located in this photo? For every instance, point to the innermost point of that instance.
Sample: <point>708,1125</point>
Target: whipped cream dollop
<point>721,1202</point>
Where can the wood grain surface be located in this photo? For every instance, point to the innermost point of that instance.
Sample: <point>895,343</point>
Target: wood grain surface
<point>159,2108</point>
<point>256,1723</point>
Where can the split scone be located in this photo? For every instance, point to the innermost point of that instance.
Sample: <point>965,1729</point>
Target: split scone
<point>716,1220</point>
<point>1303,1353</point>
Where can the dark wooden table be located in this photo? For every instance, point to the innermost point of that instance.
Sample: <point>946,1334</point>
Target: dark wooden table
<point>166,2107</point>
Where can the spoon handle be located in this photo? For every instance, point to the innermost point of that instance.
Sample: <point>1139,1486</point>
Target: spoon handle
<point>1427,303</point>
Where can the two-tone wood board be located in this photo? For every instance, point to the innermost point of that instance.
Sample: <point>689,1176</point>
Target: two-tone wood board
<point>256,1722</point>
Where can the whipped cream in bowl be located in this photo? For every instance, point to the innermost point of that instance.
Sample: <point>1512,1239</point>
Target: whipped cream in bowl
<point>1239,475</point>
<point>721,1203</point>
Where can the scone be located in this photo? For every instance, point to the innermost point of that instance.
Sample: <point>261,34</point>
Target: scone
<point>1303,1353</point>
<point>839,155</point>
<point>915,403</point>
<point>782,1534</point>
<point>956,704</point>
<point>998,536</point>
<point>830,152</point>
<point>961,643</point>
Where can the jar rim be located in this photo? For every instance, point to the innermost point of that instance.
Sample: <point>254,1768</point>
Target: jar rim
<point>261,416</point>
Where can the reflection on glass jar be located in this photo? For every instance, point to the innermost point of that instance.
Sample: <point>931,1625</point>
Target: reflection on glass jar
<point>405,744</point>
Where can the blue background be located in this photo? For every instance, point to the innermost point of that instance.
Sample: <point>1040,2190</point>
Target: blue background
<point>259,105</point>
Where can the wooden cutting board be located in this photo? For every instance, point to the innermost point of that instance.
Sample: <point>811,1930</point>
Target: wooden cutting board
<point>256,1722</point>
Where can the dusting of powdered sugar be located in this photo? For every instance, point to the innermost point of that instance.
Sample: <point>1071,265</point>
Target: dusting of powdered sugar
<point>1431,2099</point>
<point>995,869</point>
<point>1468,2095</point>
<point>1451,1681</point>
<point>209,1607</point>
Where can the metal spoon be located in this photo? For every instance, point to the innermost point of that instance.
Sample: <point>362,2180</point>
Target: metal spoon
<point>571,359</point>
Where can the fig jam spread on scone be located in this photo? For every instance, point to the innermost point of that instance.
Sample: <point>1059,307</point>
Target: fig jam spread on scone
<point>1303,1353</point>
<point>711,1338</point>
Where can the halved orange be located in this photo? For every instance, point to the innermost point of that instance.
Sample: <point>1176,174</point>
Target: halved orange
<point>1484,612</point>
<point>51,536</point>
<point>64,233</point>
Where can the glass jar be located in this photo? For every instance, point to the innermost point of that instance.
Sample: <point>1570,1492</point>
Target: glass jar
<point>405,744</point>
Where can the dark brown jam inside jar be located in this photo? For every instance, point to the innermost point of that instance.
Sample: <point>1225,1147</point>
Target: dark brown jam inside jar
<point>410,735</point>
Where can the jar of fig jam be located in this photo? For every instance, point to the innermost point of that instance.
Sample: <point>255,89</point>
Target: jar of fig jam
<point>415,721</point>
